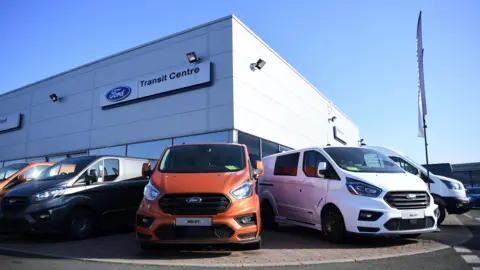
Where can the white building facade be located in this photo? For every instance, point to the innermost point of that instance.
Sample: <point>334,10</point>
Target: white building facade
<point>141,100</point>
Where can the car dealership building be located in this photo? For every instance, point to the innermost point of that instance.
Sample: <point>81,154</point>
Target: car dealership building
<point>217,82</point>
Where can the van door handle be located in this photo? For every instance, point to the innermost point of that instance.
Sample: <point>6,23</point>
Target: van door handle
<point>300,190</point>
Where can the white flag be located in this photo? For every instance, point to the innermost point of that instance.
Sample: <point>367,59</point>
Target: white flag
<point>422,103</point>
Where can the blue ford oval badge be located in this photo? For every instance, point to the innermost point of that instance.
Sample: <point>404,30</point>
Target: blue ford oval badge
<point>194,200</point>
<point>118,93</point>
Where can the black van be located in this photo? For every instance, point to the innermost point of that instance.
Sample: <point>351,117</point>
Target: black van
<point>78,195</point>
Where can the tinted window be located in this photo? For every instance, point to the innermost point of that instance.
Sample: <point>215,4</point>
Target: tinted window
<point>253,146</point>
<point>311,159</point>
<point>362,160</point>
<point>10,170</point>
<point>205,158</point>
<point>66,167</point>
<point>405,165</point>
<point>203,138</point>
<point>286,164</point>
<point>149,150</point>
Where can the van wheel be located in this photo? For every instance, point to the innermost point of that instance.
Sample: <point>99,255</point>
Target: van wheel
<point>80,224</point>
<point>333,225</point>
<point>443,213</point>
<point>267,216</point>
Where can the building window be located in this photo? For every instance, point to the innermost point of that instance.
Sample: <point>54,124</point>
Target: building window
<point>1,164</point>
<point>203,138</point>
<point>253,146</point>
<point>36,159</point>
<point>269,148</point>
<point>286,165</point>
<point>120,150</point>
<point>56,158</point>
<point>78,154</point>
<point>148,150</point>
<point>10,162</point>
<point>284,148</point>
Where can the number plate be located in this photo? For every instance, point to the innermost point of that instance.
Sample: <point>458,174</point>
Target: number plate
<point>413,214</point>
<point>193,222</point>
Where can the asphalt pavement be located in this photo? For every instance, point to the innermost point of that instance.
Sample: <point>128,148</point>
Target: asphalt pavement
<point>465,257</point>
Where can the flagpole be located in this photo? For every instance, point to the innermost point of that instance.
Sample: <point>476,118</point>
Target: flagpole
<point>426,150</point>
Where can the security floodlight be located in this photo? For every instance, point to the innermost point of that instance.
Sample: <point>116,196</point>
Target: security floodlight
<point>54,97</point>
<point>192,57</point>
<point>332,119</point>
<point>260,64</point>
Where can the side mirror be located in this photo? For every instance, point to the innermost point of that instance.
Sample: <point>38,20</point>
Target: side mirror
<point>92,176</point>
<point>322,169</point>
<point>259,171</point>
<point>22,178</point>
<point>146,171</point>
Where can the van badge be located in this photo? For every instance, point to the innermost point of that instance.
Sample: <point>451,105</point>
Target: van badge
<point>194,200</point>
<point>11,201</point>
<point>411,196</point>
<point>118,93</point>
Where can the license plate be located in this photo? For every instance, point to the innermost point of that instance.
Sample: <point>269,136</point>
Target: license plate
<point>413,214</point>
<point>193,222</point>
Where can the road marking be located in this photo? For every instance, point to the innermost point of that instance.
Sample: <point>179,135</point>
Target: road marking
<point>471,258</point>
<point>462,250</point>
<point>467,215</point>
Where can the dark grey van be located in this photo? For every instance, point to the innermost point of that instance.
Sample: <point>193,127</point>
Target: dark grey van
<point>78,195</point>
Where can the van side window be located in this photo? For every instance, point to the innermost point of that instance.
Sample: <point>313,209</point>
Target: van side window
<point>286,164</point>
<point>405,165</point>
<point>111,169</point>
<point>311,159</point>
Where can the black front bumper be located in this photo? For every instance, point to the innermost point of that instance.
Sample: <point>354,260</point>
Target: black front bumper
<point>41,221</point>
<point>238,244</point>
<point>456,205</point>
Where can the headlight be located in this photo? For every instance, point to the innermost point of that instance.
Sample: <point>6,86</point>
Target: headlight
<point>452,185</point>
<point>243,191</point>
<point>150,192</point>
<point>48,194</point>
<point>360,188</point>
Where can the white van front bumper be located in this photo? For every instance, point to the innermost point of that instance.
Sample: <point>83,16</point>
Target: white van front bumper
<point>374,216</point>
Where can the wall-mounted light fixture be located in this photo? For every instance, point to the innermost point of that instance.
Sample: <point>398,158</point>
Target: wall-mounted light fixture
<point>332,119</point>
<point>55,98</point>
<point>259,64</point>
<point>361,142</point>
<point>192,57</point>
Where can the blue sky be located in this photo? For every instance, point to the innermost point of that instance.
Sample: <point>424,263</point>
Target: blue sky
<point>360,54</point>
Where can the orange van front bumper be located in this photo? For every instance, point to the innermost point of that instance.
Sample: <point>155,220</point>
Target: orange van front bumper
<point>155,226</point>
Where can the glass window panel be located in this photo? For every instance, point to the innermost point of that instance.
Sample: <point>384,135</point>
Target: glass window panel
<point>463,177</point>
<point>476,178</point>
<point>56,158</point>
<point>111,169</point>
<point>149,150</point>
<point>269,148</point>
<point>10,162</point>
<point>286,165</point>
<point>1,164</point>
<point>33,172</point>
<point>284,148</point>
<point>120,150</point>
<point>253,146</point>
<point>203,138</point>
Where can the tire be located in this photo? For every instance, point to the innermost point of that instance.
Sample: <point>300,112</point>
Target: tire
<point>80,224</point>
<point>267,216</point>
<point>415,235</point>
<point>443,213</point>
<point>333,225</point>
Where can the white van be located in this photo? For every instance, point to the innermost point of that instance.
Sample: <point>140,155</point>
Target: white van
<point>448,193</point>
<point>342,190</point>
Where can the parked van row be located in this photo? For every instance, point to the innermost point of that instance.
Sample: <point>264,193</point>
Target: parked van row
<point>212,194</point>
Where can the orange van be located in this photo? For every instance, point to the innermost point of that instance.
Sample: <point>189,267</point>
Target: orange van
<point>201,194</point>
<point>15,174</point>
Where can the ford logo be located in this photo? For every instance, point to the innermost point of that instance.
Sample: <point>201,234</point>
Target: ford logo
<point>194,200</point>
<point>411,196</point>
<point>11,201</point>
<point>118,93</point>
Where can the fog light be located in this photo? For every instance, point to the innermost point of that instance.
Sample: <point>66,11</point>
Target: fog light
<point>144,221</point>
<point>246,220</point>
<point>369,215</point>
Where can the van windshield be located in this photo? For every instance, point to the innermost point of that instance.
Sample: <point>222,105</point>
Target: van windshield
<point>10,170</point>
<point>362,160</point>
<point>66,168</point>
<point>203,159</point>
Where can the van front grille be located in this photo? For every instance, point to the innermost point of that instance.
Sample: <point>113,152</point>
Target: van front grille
<point>407,199</point>
<point>194,204</point>
<point>14,204</point>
